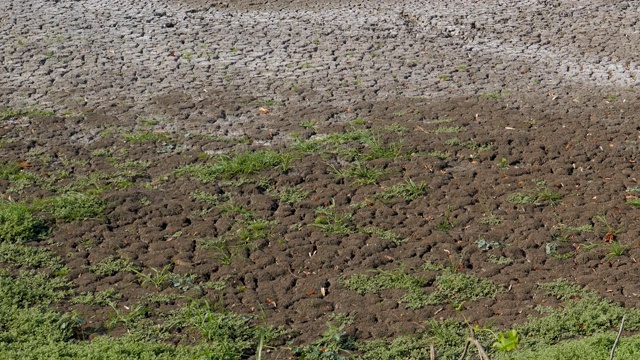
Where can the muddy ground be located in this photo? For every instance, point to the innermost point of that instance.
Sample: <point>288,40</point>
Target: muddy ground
<point>551,86</point>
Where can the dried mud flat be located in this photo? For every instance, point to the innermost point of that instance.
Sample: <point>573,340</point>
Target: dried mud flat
<point>278,158</point>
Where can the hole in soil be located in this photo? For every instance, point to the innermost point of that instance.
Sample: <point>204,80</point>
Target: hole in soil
<point>186,222</point>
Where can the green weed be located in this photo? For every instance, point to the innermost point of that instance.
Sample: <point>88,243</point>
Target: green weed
<point>384,234</point>
<point>110,266</point>
<point>18,223</point>
<point>101,298</point>
<point>448,130</point>
<point>538,197</point>
<point>361,174</point>
<point>245,164</point>
<point>144,136</point>
<point>334,343</point>
<point>408,190</point>
<point>19,255</point>
<point>450,287</point>
<point>158,278</point>
<point>330,221</point>
<point>73,206</point>
<point>12,113</point>
<point>292,195</point>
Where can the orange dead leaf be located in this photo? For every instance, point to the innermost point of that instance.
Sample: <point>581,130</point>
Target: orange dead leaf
<point>609,237</point>
<point>24,165</point>
<point>264,110</point>
<point>310,292</point>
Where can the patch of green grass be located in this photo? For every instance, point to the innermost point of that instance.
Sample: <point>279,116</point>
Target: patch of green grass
<point>439,154</point>
<point>158,278</point>
<point>9,170</point>
<point>502,260</point>
<point>72,206</point>
<point>378,150</point>
<point>538,197</point>
<point>23,256</point>
<point>408,190</point>
<point>254,229</point>
<point>101,298</point>
<point>615,249</point>
<point>448,130</point>
<point>496,95</point>
<point>396,128</point>
<point>361,174</point>
<point>245,164</point>
<point>445,224</point>
<point>110,266</point>
<point>440,121</point>
<point>634,202</point>
<point>334,343</point>
<point>490,220</point>
<point>578,317</point>
<point>450,287</point>
<point>228,335</point>
<point>384,234</point>
<point>18,223</point>
<point>292,195</point>
<point>11,113</point>
<point>331,221</point>
<point>144,136</point>
<point>308,124</point>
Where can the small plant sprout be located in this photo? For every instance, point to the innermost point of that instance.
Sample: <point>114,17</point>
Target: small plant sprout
<point>503,164</point>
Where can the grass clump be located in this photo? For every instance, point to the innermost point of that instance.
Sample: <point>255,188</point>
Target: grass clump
<point>408,190</point>
<point>292,195</point>
<point>110,266</point>
<point>450,287</point>
<point>73,206</point>
<point>101,298</point>
<point>246,163</point>
<point>228,335</point>
<point>331,221</point>
<point>18,223</point>
<point>19,255</point>
<point>11,113</point>
<point>144,136</point>
<point>541,195</point>
<point>334,343</point>
<point>362,174</point>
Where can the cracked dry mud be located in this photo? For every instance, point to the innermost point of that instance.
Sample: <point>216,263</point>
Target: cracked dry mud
<point>552,86</point>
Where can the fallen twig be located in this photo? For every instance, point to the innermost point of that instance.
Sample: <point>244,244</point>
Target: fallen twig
<point>472,340</point>
<point>613,349</point>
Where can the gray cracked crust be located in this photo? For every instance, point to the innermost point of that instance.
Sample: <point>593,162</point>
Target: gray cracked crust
<point>138,57</point>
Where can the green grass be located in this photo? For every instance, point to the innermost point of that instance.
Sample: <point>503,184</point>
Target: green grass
<point>110,266</point>
<point>408,190</point>
<point>144,136</point>
<point>450,287</point>
<point>292,195</point>
<point>448,130</point>
<point>101,298</point>
<point>634,202</point>
<point>11,113</point>
<point>331,221</point>
<point>240,164</point>
<point>23,256</point>
<point>18,223</point>
<point>387,235</point>
<point>539,196</point>
<point>361,174</point>
<point>72,206</point>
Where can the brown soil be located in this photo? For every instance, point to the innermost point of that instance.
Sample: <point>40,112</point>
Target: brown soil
<point>573,130</point>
